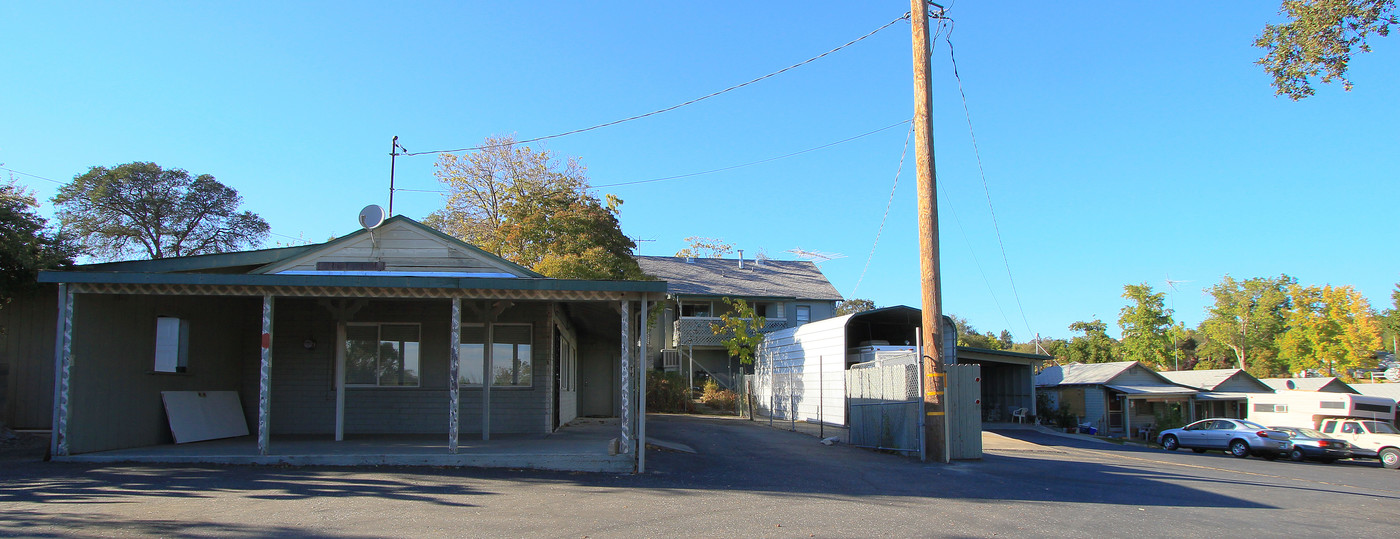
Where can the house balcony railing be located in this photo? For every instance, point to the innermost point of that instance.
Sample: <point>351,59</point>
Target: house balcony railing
<point>695,331</point>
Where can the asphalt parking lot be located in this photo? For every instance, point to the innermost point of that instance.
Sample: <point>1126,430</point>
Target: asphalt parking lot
<point>745,479</point>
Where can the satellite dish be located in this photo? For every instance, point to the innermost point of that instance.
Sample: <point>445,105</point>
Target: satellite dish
<point>372,216</point>
<point>1393,374</point>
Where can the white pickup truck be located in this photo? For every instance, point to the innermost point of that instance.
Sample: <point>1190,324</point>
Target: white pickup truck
<point>1369,438</point>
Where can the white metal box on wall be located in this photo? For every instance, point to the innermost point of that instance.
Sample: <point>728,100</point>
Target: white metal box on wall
<point>172,344</point>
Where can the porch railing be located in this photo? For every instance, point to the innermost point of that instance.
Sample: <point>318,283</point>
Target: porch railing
<point>695,331</point>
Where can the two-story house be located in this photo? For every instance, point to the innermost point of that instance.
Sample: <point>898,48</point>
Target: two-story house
<point>786,293</point>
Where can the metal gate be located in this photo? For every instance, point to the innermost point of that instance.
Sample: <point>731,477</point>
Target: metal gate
<point>964,411</point>
<point>884,405</point>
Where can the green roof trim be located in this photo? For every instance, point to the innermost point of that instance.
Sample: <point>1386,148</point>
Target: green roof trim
<point>1006,353</point>
<point>388,281</point>
<point>399,218</point>
<point>201,262</point>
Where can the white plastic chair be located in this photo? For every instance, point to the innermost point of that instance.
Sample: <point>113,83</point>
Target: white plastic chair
<point>1020,414</point>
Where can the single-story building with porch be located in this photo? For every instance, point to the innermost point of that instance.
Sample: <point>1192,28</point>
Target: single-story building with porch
<point>392,345</point>
<point>1119,399</point>
<point>1222,392</point>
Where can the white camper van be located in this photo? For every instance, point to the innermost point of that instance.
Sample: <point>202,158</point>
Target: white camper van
<point>1362,420</point>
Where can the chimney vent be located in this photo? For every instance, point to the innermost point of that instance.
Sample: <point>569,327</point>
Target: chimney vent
<point>741,259</point>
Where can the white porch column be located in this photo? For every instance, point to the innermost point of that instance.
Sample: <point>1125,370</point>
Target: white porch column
<point>454,362</point>
<point>626,378</point>
<point>265,378</point>
<point>63,369</point>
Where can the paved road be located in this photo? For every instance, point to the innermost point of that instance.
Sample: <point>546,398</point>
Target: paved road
<point>745,480</point>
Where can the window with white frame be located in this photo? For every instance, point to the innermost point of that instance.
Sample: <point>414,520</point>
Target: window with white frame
<point>511,364</point>
<point>382,355</point>
<point>804,314</point>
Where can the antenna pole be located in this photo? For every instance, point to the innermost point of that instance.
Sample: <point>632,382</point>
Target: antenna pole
<point>935,400</point>
<point>393,156</point>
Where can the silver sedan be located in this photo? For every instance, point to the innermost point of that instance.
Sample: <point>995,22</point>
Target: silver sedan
<point>1237,437</point>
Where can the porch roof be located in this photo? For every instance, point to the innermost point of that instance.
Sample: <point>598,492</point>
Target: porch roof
<point>343,285</point>
<point>1156,391</point>
<point>1221,396</point>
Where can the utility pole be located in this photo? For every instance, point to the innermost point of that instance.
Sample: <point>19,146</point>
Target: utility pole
<point>935,378</point>
<point>393,156</point>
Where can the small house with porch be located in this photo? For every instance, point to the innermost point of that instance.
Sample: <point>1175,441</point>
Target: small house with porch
<point>392,345</point>
<point>1118,399</point>
<point>1222,392</point>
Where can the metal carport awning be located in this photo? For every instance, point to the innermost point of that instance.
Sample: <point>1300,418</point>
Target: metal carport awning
<point>1154,391</point>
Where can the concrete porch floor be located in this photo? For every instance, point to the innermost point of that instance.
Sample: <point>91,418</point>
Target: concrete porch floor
<point>581,446</point>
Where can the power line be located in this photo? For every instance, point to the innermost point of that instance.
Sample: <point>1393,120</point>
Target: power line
<point>674,107</point>
<point>761,161</point>
<point>31,175</point>
<point>886,216</point>
<point>721,169</point>
<point>983,174</point>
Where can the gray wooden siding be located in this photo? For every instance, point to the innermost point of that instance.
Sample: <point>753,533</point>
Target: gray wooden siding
<point>1137,375</point>
<point>303,383</point>
<point>116,400</point>
<point>599,376</point>
<point>1240,384</point>
<point>401,248</point>
<point>26,359</point>
<point>1096,407</point>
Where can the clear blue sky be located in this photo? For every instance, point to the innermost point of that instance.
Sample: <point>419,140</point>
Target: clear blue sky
<point>1122,143</point>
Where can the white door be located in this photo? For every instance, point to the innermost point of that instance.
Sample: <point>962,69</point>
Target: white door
<point>568,381</point>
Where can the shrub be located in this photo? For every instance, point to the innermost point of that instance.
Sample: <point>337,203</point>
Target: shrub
<point>667,392</point>
<point>719,399</point>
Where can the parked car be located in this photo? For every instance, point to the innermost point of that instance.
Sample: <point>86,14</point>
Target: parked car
<point>1311,444</point>
<point>1237,437</point>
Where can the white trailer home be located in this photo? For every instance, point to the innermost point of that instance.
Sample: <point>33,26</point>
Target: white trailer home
<point>1307,409</point>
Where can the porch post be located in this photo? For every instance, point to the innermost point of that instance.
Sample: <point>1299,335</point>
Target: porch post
<point>1127,416</point>
<point>454,361</point>
<point>265,378</point>
<point>63,368</point>
<point>642,392</point>
<point>486,368</point>
<point>339,379</point>
<point>626,378</point>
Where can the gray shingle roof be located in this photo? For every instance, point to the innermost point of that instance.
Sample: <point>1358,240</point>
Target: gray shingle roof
<point>1082,373</point>
<point>722,277</point>
<point>1207,379</point>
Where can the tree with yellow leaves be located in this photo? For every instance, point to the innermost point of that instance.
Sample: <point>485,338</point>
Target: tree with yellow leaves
<point>1331,328</point>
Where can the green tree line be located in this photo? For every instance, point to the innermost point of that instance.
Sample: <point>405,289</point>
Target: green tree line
<point>1268,326</point>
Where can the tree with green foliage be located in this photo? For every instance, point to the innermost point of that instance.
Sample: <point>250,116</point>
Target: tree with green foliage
<point>1095,346</point>
<point>1331,329</point>
<point>1247,318</point>
<point>742,328</point>
<point>1318,39</point>
<point>853,306</point>
<point>141,209</point>
<point>968,336</point>
<point>528,207</point>
<point>26,243</point>
<point>701,247</point>
<point>1145,324</point>
<point>1390,323</point>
